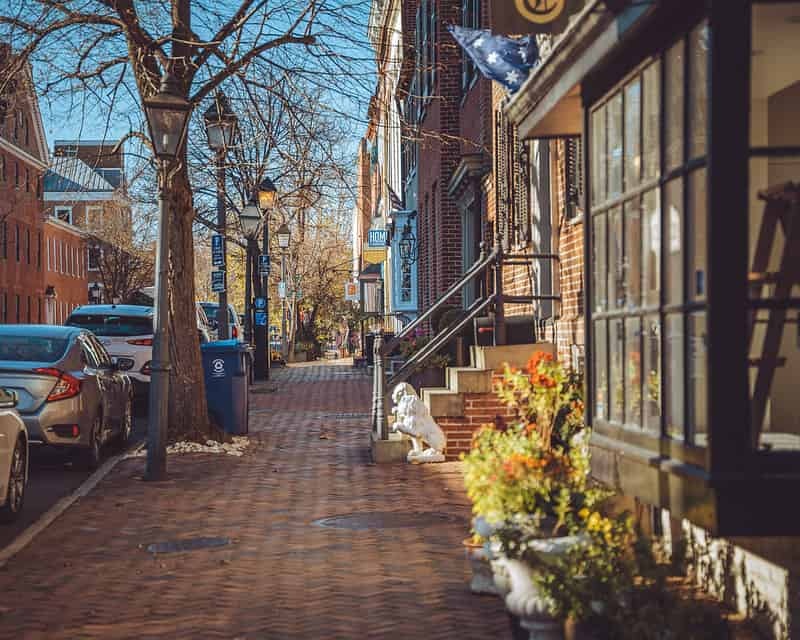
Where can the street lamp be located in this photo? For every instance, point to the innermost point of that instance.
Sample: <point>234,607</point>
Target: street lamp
<point>408,244</point>
<point>284,239</point>
<point>221,124</point>
<point>167,115</point>
<point>267,194</point>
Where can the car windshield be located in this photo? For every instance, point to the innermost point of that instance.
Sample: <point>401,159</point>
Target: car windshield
<point>112,325</point>
<point>32,348</point>
<point>211,311</point>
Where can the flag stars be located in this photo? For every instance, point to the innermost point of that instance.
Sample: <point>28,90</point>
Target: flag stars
<point>512,77</point>
<point>479,42</point>
<point>523,53</point>
<point>492,58</point>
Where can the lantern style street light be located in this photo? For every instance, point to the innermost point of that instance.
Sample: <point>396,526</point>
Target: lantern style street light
<point>250,218</point>
<point>284,236</point>
<point>408,244</point>
<point>167,115</point>
<point>221,127</point>
<point>267,193</point>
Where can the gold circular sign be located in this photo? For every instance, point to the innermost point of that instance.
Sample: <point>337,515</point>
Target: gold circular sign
<point>540,11</point>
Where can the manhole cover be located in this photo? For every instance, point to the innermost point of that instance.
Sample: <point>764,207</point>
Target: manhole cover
<point>190,544</point>
<point>387,520</point>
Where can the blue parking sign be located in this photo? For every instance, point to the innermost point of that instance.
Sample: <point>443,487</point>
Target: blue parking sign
<point>217,251</point>
<point>260,304</point>
<point>261,318</point>
<point>263,264</point>
<point>218,281</point>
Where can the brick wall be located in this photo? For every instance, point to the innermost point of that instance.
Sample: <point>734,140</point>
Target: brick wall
<point>65,269</point>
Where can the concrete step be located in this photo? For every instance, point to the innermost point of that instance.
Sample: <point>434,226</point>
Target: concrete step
<point>516,355</point>
<point>468,380</point>
<point>443,402</point>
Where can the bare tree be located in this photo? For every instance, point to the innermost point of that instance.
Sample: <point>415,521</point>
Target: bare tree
<point>114,53</point>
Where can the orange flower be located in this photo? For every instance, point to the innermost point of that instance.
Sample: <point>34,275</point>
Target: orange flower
<point>531,428</point>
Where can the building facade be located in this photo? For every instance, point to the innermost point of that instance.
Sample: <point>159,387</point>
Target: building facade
<point>691,169</point>
<point>23,161</point>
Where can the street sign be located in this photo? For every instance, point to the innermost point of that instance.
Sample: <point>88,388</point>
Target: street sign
<point>218,281</point>
<point>261,318</point>
<point>263,264</point>
<point>261,304</point>
<point>217,251</point>
<point>377,238</point>
<point>281,290</point>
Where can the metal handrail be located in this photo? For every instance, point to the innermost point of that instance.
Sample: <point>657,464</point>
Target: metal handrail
<point>402,374</point>
<point>473,271</point>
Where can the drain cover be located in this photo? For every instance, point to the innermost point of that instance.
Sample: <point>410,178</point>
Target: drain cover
<point>387,520</point>
<point>190,544</point>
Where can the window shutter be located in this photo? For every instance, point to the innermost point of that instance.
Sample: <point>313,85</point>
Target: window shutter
<point>573,197</point>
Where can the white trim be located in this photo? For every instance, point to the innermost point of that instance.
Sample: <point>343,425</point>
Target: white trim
<point>84,196</point>
<point>63,225</point>
<point>22,154</point>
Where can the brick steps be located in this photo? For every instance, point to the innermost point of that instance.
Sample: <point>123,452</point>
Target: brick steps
<point>468,400</point>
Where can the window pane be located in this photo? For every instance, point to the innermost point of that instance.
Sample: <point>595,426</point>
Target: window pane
<point>772,198</point>
<point>673,106</point>
<point>615,146</point>
<point>673,241</point>
<point>616,268</point>
<point>615,379</point>
<point>600,370</point>
<point>633,121</point>
<point>698,376</point>
<point>774,372</point>
<point>633,255</point>
<point>633,372</point>
<point>652,373</point>
<point>697,237</point>
<point>600,271</point>
<point>673,375</point>
<point>651,247</point>
<point>651,123</point>
<point>775,75</point>
<point>698,89</point>
<point>598,167</point>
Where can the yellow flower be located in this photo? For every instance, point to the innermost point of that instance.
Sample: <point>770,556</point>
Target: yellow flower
<point>583,513</point>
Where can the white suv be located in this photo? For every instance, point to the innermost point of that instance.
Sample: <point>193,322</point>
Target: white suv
<point>235,329</point>
<point>126,331</point>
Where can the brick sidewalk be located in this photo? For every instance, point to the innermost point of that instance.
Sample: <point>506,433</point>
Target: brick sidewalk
<point>89,574</point>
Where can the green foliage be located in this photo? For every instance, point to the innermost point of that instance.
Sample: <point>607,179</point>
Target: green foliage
<point>409,346</point>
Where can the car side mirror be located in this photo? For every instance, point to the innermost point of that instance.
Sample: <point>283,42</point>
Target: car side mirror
<point>8,399</point>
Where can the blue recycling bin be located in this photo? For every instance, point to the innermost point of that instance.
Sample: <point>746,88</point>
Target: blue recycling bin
<point>226,366</point>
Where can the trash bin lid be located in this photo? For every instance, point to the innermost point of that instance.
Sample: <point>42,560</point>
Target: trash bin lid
<point>221,345</point>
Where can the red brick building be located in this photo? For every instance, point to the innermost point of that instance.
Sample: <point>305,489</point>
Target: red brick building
<point>23,160</point>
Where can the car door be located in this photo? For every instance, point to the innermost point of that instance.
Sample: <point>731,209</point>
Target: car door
<point>113,381</point>
<point>95,386</point>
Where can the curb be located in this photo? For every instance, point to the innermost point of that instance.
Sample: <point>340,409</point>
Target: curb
<point>47,518</point>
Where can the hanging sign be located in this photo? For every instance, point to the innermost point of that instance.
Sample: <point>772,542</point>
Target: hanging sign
<point>261,318</point>
<point>351,291</point>
<point>377,238</point>
<point>218,281</point>
<point>263,264</point>
<point>260,304</point>
<point>217,251</point>
<point>543,16</point>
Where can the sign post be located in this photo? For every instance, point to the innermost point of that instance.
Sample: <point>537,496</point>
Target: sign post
<point>217,251</point>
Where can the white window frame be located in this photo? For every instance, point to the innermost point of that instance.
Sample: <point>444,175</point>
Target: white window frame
<point>61,208</point>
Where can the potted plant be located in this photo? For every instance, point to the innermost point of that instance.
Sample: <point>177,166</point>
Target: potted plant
<point>429,372</point>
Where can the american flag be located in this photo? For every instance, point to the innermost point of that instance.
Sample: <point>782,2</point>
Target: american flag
<point>506,60</point>
<point>394,200</point>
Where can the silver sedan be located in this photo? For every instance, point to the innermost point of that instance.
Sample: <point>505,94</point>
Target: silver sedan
<point>70,393</point>
<point>13,458</point>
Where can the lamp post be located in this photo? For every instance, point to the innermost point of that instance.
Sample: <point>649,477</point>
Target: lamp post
<point>284,239</point>
<point>250,219</point>
<point>167,115</point>
<point>263,360</point>
<point>221,124</point>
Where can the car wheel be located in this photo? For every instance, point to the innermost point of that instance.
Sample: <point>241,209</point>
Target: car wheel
<point>94,453</point>
<point>126,427</point>
<point>16,483</point>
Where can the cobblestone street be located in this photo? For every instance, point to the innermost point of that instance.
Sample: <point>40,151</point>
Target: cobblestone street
<point>287,563</point>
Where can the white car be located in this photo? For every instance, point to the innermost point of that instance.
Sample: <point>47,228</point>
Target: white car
<point>235,329</point>
<point>126,331</point>
<point>13,458</point>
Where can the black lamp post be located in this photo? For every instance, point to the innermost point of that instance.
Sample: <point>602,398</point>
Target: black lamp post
<point>284,240</point>
<point>221,124</point>
<point>167,115</point>
<point>267,193</point>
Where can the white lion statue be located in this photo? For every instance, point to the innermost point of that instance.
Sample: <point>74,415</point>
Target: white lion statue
<point>412,417</point>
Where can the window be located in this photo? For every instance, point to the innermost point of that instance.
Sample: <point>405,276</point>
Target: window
<point>574,179</point>
<point>648,246</point>
<point>27,180</point>
<point>94,218</point>
<point>774,206</point>
<point>17,242</point>
<point>39,251</point>
<point>16,173</point>
<point>426,42</point>
<point>28,245</point>
<point>64,214</point>
<point>4,307</point>
<point>2,168</point>
<point>17,308</point>
<point>94,258</point>
<point>4,239</point>
<point>471,19</point>
<point>29,309</point>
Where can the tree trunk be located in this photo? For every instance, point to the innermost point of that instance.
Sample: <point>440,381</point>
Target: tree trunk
<point>188,413</point>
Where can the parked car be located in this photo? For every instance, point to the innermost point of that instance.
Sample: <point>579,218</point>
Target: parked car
<point>13,457</point>
<point>126,331</point>
<point>235,329</point>
<point>70,393</point>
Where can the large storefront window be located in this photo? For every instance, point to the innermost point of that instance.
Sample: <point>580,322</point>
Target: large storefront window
<point>774,227</point>
<point>649,245</point>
